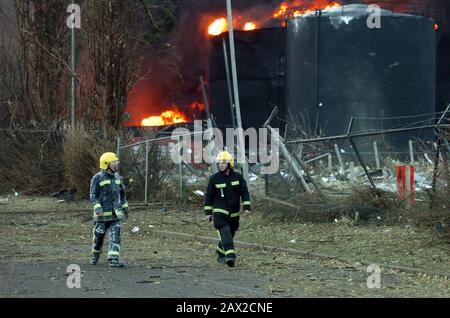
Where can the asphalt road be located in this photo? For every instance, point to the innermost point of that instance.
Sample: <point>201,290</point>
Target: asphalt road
<point>135,280</point>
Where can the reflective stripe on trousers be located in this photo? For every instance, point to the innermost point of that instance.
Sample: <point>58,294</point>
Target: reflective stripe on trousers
<point>226,245</point>
<point>99,233</point>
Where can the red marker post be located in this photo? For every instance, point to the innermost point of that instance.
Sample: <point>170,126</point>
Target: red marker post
<point>405,182</point>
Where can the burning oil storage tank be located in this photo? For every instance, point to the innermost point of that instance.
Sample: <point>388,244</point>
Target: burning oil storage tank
<point>339,67</point>
<point>332,66</point>
<point>260,62</point>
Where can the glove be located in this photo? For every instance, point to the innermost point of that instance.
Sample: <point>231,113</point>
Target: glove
<point>119,213</point>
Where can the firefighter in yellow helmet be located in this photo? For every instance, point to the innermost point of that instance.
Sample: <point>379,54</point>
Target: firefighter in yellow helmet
<point>107,193</point>
<point>225,190</point>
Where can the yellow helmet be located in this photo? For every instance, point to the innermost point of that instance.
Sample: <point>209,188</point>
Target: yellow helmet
<point>106,159</point>
<point>226,156</point>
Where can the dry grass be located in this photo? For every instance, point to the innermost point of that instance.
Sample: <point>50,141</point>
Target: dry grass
<point>299,276</point>
<point>436,214</point>
<point>31,162</point>
<point>162,171</point>
<point>82,150</point>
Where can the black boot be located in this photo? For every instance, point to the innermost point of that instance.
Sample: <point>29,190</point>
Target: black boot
<point>116,263</point>
<point>230,262</point>
<point>94,259</point>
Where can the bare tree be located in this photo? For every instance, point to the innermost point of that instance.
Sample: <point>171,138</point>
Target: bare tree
<point>116,32</point>
<point>42,60</point>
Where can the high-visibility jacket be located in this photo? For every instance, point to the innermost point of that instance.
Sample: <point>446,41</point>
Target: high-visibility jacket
<point>107,194</point>
<point>224,194</point>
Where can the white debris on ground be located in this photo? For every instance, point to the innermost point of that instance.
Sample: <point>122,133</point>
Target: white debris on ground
<point>135,230</point>
<point>387,181</point>
<point>190,180</point>
<point>422,181</point>
<point>199,193</point>
<point>330,178</point>
<point>4,200</point>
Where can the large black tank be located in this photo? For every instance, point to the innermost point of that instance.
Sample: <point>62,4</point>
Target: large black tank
<point>331,66</point>
<point>338,67</point>
<point>260,63</point>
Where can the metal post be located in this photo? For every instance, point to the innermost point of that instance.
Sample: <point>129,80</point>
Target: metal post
<point>364,134</point>
<point>361,161</point>
<point>408,186</point>
<point>146,171</point>
<point>338,155</point>
<point>74,83</point>
<point>305,170</point>
<point>411,153</point>
<point>316,158</point>
<point>352,175</point>
<point>236,90</point>
<point>330,163</point>
<point>296,168</point>
<point>227,72</point>
<point>377,158</point>
<point>317,69</point>
<point>181,180</point>
<point>118,147</point>
<point>208,117</point>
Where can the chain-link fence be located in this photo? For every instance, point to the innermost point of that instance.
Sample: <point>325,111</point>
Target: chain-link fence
<point>151,173</point>
<point>354,172</point>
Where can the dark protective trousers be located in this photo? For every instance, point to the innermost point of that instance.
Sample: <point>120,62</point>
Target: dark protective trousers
<point>99,232</point>
<point>226,234</point>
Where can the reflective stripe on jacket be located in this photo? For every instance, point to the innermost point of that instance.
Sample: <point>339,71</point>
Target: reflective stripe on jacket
<point>107,194</point>
<point>224,194</point>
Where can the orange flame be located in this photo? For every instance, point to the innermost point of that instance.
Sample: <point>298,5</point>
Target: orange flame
<point>332,5</point>
<point>197,106</point>
<point>281,11</point>
<point>218,26</point>
<point>293,8</point>
<point>166,118</point>
<point>250,26</point>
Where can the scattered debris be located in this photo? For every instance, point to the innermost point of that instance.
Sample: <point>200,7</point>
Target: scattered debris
<point>135,230</point>
<point>428,159</point>
<point>330,178</point>
<point>64,195</point>
<point>4,200</point>
<point>199,193</point>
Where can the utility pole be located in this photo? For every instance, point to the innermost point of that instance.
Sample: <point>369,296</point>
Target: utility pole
<point>236,93</point>
<point>72,23</point>
<point>74,80</point>
<point>208,118</point>
<point>227,72</point>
